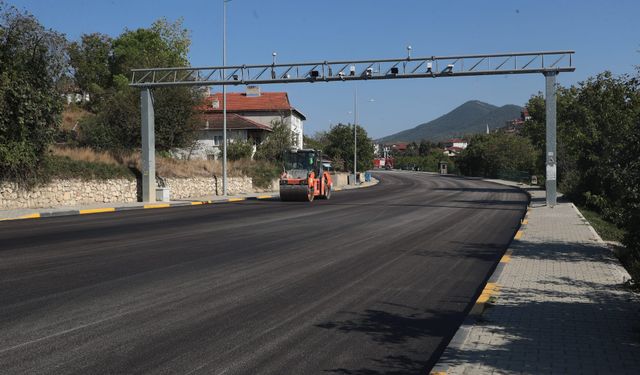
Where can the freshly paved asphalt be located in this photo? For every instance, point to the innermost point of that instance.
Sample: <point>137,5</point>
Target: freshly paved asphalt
<point>374,281</point>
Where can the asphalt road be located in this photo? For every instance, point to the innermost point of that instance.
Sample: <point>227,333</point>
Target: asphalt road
<point>374,281</point>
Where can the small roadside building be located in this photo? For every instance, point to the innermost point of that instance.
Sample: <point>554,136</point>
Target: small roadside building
<point>250,117</point>
<point>454,146</point>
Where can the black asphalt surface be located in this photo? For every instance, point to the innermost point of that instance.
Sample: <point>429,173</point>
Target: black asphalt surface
<point>374,281</point>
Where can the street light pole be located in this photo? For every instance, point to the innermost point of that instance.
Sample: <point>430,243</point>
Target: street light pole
<point>355,136</point>
<point>224,99</point>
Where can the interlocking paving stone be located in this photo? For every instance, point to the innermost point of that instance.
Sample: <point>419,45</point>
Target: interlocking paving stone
<point>562,306</point>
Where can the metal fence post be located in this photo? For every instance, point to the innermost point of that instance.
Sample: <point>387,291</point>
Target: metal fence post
<point>551,155</point>
<point>148,147</point>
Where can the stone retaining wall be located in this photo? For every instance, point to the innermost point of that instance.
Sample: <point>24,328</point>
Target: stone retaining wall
<point>79,192</point>
<point>198,187</point>
<point>68,193</point>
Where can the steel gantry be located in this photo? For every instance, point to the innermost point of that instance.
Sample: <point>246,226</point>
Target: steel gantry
<point>548,63</point>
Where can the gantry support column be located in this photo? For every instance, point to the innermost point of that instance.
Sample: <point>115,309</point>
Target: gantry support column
<point>148,146</point>
<point>551,155</point>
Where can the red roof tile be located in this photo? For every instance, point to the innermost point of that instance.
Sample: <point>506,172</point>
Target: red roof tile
<point>234,122</point>
<point>267,101</point>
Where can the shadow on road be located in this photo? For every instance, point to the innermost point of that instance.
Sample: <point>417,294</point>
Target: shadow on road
<point>481,190</point>
<point>395,331</point>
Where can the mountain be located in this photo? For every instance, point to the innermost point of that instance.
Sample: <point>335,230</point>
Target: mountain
<point>469,118</point>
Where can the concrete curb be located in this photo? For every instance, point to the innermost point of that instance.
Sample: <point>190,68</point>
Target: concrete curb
<point>596,236</point>
<point>150,206</point>
<point>374,182</point>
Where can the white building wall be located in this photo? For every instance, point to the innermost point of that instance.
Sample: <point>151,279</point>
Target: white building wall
<point>287,117</point>
<point>209,144</point>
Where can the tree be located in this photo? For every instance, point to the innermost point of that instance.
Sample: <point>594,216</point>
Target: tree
<point>595,125</point>
<point>90,60</point>
<point>318,141</point>
<point>424,148</point>
<point>490,154</point>
<point>164,44</point>
<point>340,147</point>
<point>176,117</point>
<point>32,62</point>
<point>116,125</point>
<point>276,143</point>
<point>117,121</point>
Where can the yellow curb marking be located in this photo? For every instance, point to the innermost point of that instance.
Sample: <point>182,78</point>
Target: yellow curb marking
<point>235,199</point>
<point>159,205</point>
<point>438,373</point>
<point>196,203</point>
<point>264,196</point>
<point>518,235</point>
<point>489,290</point>
<point>506,258</point>
<point>337,189</point>
<point>524,221</point>
<point>96,210</point>
<point>30,216</point>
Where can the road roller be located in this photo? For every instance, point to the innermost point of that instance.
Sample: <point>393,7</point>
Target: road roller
<point>303,177</point>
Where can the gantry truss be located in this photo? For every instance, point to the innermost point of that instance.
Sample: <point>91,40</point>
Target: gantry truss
<point>549,63</point>
<point>353,70</point>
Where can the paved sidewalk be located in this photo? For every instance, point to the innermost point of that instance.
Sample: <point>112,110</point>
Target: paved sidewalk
<point>32,213</point>
<point>560,306</point>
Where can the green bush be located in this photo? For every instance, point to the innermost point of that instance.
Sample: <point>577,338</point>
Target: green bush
<point>238,149</point>
<point>262,173</point>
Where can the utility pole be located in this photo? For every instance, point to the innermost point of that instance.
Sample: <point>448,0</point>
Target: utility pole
<point>148,146</point>
<point>224,99</point>
<point>355,136</point>
<point>551,158</point>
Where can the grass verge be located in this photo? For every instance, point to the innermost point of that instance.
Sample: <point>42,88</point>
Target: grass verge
<point>629,258</point>
<point>607,230</point>
<point>64,167</point>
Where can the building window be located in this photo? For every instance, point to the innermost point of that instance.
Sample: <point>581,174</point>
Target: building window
<point>217,140</point>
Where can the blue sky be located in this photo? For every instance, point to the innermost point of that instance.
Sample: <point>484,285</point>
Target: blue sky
<point>604,35</point>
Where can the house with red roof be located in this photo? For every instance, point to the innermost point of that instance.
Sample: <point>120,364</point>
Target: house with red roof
<point>454,146</point>
<point>250,117</point>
